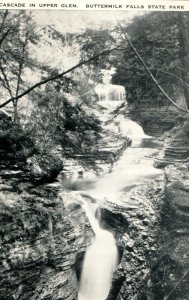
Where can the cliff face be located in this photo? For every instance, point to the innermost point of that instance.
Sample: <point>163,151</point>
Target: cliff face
<point>155,120</point>
<point>135,220</point>
<point>176,146</point>
<point>40,239</point>
<point>171,275</point>
<point>152,233</point>
<point>43,235</point>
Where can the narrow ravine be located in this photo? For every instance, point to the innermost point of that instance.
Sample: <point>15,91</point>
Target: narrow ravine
<point>92,205</point>
<point>100,260</point>
<point>134,168</point>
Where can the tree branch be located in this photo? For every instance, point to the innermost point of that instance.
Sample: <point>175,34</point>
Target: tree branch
<point>6,82</point>
<point>4,19</point>
<point>149,72</point>
<point>175,76</point>
<point>56,76</point>
<point>4,36</point>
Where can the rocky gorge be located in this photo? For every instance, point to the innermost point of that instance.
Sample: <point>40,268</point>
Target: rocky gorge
<point>45,232</point>
<point>94,155</point>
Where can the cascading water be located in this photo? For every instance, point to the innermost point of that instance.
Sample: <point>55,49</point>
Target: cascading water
<point>130,128</point>
<point>110,92</point>
<point>100,261</point>
<point>133,168</point>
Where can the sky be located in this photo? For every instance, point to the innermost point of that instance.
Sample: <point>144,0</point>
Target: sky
<point>74,21</point>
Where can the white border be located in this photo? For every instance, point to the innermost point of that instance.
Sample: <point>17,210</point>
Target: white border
<point>120,5</point>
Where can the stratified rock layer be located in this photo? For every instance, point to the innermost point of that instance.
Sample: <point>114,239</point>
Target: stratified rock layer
<point>44,168</point>
<point>155,120</point>
<point>139,213</point>
<point>39,240</point>
<point>176,147</point>
<point>171,275</point>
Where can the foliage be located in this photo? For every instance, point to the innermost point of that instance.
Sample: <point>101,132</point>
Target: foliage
<point>156,36</point>
<point>16,34</point>
<point>58,116</point>
<point>57,120</point>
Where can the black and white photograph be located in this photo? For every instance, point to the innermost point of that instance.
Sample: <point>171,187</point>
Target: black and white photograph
<point>94,154</point>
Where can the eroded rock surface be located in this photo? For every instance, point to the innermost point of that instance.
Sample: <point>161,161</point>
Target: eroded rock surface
<point>171,275</point>
<point>137,242</point>
<point>44,168</point>
<point>155,120</point>
<point>176,147</point>
<point>40,239</point>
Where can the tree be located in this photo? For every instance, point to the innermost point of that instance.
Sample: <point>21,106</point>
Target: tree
<point>57,121</point>
<point>153,51</point>
<point>167,97</point>
<point>162,55</point>
<point>183,26</point>
<point>53,77</point>
<point>17,32</point>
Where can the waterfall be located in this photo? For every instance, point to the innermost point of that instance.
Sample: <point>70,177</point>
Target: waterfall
<point>100,261</point>
<point>110,92</point>
<point>101,257</point>
<point>130,128</point>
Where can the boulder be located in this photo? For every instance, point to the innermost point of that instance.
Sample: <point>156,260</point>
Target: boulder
<point>44,168</point>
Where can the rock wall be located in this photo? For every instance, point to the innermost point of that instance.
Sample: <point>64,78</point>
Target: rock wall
<point>40,239</point>
<point>171,273</point>
<point>136,223</point>
<point>176,146</point>
<point>155,120</point>
<point>152,233</point>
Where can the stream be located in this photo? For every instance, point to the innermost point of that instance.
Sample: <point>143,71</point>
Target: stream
<point>27,238</point>
<point>135,167</point>
<point>100,261</point>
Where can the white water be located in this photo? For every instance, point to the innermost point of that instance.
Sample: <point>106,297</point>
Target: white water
<point>130,128</point>
<point>135,167</point>
<point>110,92</point>
<point>100,261</point>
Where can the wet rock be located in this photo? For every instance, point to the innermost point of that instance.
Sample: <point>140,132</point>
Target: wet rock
<point>154,120</point>
<point>171,274</point>
<point>40,239</point>
<point>44,168</point>
<point>138,239</point>
<point>114,220</point>
<point>176,148</point>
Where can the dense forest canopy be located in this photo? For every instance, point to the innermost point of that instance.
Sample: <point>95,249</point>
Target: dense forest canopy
<point>160,39</point>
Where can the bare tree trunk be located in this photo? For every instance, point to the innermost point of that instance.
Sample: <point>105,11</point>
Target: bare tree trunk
<point>59,75</point>
<point>184,40</point>
<point>127,39</point>
<point>20,69</point>
<point>15,111</point>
